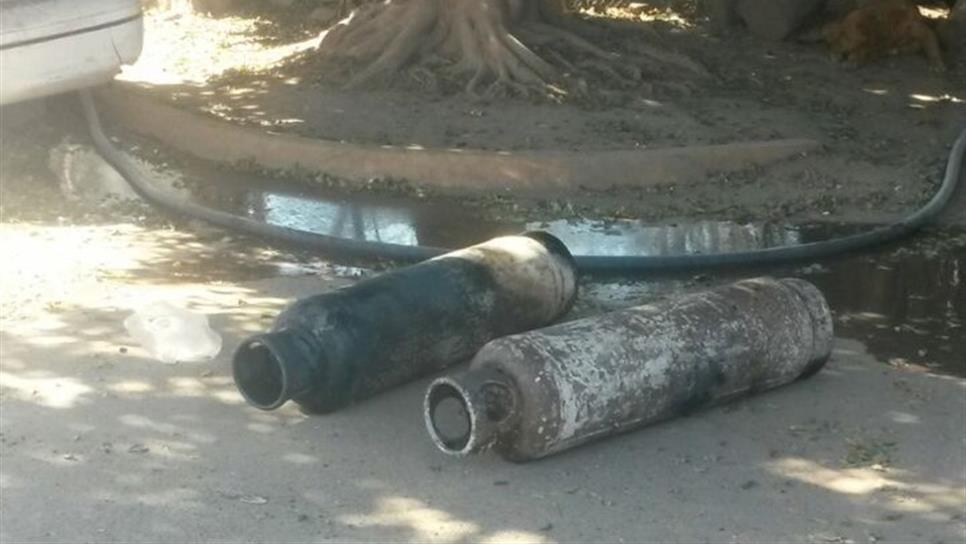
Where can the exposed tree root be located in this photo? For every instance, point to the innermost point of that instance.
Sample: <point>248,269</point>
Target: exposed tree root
<point>493,47</point>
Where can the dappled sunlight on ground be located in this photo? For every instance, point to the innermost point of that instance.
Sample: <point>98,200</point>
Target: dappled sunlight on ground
<point>426,524</point>
<point>66,290</point>
<point>48,391</point>
<point>643,12</point>
<point>416,521</point>
<point>187,47</point>
<point>934,11</point>
<point>420,522</point>
<point>56,268</point>
<point>895,489</point>
<point>931,98</point>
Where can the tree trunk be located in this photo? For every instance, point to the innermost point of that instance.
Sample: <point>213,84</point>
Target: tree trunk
<point>488,45</point>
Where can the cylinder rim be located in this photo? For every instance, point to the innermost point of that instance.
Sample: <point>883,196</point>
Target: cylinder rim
<point>244,385</point>
<point>439,390</point>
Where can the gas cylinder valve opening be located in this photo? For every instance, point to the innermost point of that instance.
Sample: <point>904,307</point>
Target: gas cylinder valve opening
<point>500,401</point>
<point>466,415</point>
<point>259,375</point>
<point>449,417</point>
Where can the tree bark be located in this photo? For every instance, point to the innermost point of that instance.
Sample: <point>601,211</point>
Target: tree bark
<point>483,43</point>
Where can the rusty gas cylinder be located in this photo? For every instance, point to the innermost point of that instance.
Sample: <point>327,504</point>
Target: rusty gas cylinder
<point>534,394</point>
<point>332,349</point>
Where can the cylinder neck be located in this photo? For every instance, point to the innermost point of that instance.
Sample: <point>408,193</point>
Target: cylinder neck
<point>273,368</point>
<point>469,413</point>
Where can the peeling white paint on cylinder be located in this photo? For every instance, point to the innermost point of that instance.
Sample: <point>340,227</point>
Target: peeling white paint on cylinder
<point>577,381</point>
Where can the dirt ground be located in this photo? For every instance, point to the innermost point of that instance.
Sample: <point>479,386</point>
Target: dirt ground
<point>885,128</point>
<point>100,442</point>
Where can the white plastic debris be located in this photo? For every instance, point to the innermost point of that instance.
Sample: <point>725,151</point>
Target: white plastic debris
<point>253,499</point>
<point>172,334</point>
<point>85,175</point>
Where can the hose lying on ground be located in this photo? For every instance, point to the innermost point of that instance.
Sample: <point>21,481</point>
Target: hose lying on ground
<point>336,247</point>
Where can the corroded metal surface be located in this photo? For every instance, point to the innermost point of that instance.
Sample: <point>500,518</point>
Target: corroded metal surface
<point>541,392</point>
<point>329,350</point>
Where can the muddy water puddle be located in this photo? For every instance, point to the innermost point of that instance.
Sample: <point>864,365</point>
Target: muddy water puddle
<point>909,307</point>
<point>376,218</point>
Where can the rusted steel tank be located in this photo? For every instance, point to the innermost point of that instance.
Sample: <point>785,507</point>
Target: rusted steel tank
<point>329,350</point>
<point>541,392</point>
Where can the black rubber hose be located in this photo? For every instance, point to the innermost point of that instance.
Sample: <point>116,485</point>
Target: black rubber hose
<point>630,264</point>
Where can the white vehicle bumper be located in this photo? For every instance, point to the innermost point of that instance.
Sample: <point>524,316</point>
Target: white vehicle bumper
<point>50,46</point>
